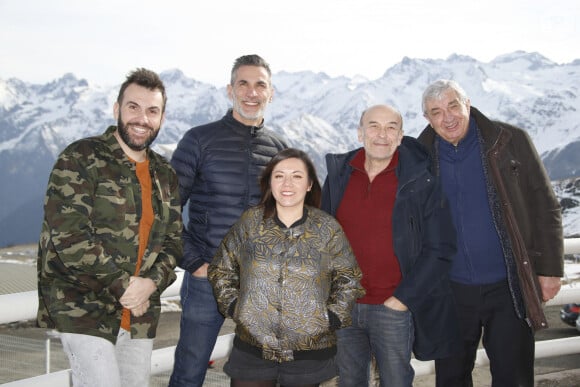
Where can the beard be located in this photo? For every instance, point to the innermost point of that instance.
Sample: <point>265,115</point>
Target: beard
<point>133,143</point>
<point>238,107</point>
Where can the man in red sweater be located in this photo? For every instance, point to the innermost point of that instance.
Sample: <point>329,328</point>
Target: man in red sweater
<point>399,225</point>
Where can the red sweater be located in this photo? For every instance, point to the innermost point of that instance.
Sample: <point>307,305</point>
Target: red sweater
<point>365,214</point>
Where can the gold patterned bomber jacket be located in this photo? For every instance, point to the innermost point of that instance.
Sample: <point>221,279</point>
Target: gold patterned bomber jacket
<point>284,286</point>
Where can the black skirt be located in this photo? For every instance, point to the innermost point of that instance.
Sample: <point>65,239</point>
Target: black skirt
<point>243,365</point>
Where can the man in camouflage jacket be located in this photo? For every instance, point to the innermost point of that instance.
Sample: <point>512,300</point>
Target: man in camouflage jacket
<point>91,266</point>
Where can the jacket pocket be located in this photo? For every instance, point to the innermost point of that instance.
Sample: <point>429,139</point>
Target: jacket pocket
<point>113,201</point>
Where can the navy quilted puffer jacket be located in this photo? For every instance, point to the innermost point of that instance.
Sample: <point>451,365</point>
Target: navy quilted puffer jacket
<point>218,165</point>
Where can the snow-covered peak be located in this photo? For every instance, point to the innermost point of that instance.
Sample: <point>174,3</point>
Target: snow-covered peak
<point>529,61</point>
<point>312,110</point>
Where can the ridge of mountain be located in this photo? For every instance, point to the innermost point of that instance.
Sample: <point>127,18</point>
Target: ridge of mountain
<point>313,111</point>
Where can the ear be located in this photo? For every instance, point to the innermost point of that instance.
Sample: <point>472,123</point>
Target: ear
<point>230,91</point>
<point>401,134</point>
<point>116,108</point>
<point>359,133</point>
<point>271,94</point>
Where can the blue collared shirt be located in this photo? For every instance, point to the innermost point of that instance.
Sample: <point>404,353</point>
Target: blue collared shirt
<point>479,259</point>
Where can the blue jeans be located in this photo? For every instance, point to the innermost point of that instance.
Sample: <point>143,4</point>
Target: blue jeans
<point>200,325</point>
<point>386,334</point>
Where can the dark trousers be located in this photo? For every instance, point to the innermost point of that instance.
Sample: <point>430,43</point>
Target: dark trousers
<point>508,340</point>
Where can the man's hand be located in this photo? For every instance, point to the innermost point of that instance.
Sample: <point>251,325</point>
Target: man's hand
<point>140,310</point>
<point>137,293</point>
<point>201,271</point>
<point>550,287</point>
<point>394,303</point>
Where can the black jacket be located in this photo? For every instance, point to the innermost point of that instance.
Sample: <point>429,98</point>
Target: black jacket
<point>424,242</point>
<point>218,166</point>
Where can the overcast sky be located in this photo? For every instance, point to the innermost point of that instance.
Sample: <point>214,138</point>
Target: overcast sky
<point>102,40</point>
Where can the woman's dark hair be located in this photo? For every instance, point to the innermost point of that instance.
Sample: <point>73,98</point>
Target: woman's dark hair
<point>313,196</point>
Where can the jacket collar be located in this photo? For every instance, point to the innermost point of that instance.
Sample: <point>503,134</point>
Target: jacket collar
<point>490,132</point>
<point>295,224</point>
<point>229,118</point>
<point>118,152</point>
<point>413,158</point>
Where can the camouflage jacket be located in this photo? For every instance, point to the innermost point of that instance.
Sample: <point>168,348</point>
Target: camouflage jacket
<point>281,285</point>
<point>90,238</point>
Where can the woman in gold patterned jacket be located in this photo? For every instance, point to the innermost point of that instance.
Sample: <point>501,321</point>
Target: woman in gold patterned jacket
<point>285,273</point>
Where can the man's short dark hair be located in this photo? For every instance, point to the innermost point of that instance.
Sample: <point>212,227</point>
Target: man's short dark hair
<point>249,60</point>
<point>145,78</point>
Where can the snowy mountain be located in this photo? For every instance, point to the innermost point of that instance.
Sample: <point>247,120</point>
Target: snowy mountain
<point>315,112</point>
<point>568,190</point>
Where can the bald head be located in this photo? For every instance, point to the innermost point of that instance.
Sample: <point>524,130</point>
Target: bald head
<point>383,110</point>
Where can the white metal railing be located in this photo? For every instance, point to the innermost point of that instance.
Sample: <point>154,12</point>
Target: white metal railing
<point>23,306</point>
<point>544,349</point>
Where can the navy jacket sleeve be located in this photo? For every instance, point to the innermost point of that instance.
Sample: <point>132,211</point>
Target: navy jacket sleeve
<point>185,161</point>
